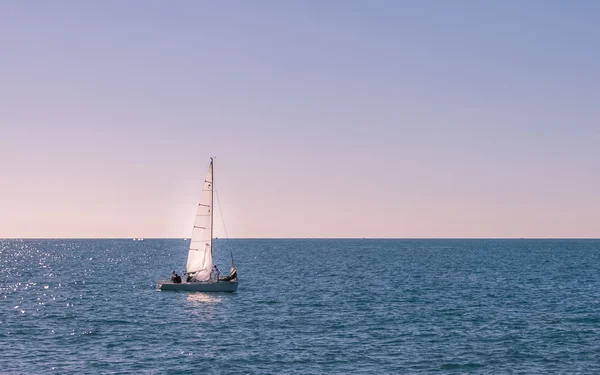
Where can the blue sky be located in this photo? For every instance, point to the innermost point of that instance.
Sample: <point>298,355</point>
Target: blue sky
<point>328,119</point>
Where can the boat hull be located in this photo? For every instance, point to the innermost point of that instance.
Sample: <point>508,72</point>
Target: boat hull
<point>201,286</point>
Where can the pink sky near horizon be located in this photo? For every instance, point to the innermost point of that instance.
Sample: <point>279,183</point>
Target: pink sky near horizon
<point>341,119</point>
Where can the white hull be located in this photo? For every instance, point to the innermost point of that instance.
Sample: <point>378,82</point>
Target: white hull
<point>201,286</point>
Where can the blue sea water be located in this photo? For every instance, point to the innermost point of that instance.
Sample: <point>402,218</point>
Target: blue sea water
<point>303,307</point>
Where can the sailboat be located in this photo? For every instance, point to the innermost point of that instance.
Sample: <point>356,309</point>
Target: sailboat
<point>199,274</point>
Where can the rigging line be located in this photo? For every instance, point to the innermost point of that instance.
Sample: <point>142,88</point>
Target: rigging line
<point>223,221</point>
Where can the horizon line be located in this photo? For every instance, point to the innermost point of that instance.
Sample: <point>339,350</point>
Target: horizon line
<point>304,238</point>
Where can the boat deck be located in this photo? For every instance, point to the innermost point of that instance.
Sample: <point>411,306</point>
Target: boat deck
<point>198,286</point>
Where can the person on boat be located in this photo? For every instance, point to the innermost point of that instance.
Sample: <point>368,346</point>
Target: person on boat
<point>216,272</point>
<point>189,278</point>
<point>232,276</point>
<point>176,279</point>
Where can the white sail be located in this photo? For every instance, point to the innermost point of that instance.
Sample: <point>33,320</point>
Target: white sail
<point>200,253</point>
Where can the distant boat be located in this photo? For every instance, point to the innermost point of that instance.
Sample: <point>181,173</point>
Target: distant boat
<point>199,275</point>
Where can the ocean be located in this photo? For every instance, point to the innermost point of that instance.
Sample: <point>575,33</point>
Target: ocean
<point>303,307</point>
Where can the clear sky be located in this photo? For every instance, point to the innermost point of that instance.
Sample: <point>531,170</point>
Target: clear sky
<point>328,118</point>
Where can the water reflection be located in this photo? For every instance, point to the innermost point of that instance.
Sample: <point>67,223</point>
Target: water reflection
<point>198,299</point>
<point>202,305</point>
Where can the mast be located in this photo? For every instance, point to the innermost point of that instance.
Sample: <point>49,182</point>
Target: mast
<point>212,191</point>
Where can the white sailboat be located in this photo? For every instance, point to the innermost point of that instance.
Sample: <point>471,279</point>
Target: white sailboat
<point>199,275</point>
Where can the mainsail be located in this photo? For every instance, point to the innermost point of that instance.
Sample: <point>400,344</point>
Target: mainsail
<point>199,260</point>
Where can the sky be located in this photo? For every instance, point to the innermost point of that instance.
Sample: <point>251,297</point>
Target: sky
<point>396,119</point>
